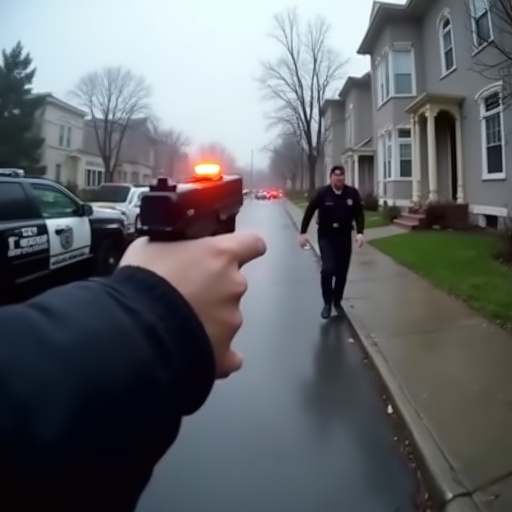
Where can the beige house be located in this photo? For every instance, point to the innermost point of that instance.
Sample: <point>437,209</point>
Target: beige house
<point>70,151</point>
<point>62,127</point>
<point>136,160</point>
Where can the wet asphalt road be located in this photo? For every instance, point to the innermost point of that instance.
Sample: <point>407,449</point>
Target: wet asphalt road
<point>302,427</point>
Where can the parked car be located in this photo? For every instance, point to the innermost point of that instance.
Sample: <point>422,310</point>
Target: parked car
<point>124,198</point>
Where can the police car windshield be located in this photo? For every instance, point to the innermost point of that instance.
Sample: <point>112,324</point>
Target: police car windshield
<point>111,194</point>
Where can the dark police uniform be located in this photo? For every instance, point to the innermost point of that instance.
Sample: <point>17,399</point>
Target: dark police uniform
<point>337,212</point>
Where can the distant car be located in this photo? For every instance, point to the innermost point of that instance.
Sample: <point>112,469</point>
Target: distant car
<point>246,192</point>
<point>261,194</point>
<point>274,194</point>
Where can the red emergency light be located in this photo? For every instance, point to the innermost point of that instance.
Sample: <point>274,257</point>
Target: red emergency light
<point>207,170</point>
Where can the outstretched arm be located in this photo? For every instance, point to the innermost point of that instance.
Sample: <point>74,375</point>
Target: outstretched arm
<point>311,208</point>
<point>358,213</point>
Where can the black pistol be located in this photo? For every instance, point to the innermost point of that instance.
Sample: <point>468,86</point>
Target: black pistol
<point>206,204</point>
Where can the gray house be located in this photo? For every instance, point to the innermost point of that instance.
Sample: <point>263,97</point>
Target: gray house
<point>349,120</point>
<point>439,126</point>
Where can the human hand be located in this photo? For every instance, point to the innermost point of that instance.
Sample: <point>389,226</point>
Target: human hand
<point>207,273</point>
<point>359,240</point>
<point>303,240</point>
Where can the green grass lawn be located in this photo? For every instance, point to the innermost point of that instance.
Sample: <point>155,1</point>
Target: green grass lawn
<point>374,220</point>
<point>459,263</point>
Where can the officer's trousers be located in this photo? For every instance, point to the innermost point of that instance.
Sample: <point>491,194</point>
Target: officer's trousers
<point>335,252</point>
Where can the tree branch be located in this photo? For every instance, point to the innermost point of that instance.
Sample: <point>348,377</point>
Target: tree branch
<point>112,97</point>
<point>297,83</point>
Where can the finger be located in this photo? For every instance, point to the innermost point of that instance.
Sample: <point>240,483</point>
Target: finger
<point>231,364</point>
<point>245,246</point>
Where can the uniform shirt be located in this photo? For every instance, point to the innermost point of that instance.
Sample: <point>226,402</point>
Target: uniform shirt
<point>337,211</point>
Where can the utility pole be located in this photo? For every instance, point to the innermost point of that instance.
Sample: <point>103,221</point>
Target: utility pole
<point>252,169</point>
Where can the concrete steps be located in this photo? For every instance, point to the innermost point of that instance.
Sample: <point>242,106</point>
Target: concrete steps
<point>411,221</point>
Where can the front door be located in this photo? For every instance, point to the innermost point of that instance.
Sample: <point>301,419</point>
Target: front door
<point>69,233</point>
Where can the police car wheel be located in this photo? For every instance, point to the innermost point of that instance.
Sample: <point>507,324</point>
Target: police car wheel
<point>108,256</point>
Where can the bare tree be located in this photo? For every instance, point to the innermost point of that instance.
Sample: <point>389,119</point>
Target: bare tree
<point>298,82</point>
<point>287,159</point>
<point>112,97</point>
<point>172,146</point>
<point>495,62</point>
<point>220,154</point>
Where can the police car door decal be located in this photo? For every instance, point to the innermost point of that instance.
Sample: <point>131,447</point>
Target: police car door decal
<point>70,240</point>
<point>25,241</point>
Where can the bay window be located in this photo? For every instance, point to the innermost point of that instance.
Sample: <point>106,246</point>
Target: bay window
<point>402,71</point>
<point>405,153</point>
<point>383,78</point>
<point>388,166</point>
<point>395,74</point>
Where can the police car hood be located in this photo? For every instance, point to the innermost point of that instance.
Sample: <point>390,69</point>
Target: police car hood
<point>106,205</point>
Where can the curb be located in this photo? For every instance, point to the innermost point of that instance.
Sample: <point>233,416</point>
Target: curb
<point>447,491</point>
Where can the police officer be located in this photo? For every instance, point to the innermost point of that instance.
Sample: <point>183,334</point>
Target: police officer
<point>339,206</point>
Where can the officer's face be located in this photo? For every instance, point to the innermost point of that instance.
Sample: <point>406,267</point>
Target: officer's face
<point>337,179</point>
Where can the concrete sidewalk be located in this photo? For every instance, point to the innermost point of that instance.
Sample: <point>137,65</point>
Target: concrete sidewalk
<point>448,372</point>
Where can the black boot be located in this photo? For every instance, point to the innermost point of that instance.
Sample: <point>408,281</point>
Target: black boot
<point>339,309</point>
<point>326,311</point>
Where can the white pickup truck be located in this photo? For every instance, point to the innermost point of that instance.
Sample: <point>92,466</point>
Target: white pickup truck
<point>124,198</point>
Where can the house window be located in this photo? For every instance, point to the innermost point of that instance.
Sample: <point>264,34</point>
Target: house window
<point>493,148</point>
<point>446,42</point>
<point>93,177</point>
<point>481,22</point>
<point>388,155</point>
<point>402,72</point>
<point>61,135</point>
<point>381,153</point>
<point>405,152</point>
<point>68,137</point>
<point>383,78</point>
<point>58,172</point>
<point>349,138</point>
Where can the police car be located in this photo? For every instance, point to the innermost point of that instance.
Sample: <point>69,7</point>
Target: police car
<point>45,231</point>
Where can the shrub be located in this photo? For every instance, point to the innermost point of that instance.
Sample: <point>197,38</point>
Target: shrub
<point>435,214</point>
<point>371,202</point>
<point>447,215</point>
<point>390,213</point>
<point>503,246</point>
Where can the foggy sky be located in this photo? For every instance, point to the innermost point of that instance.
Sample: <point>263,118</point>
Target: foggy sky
<point>200,56</point>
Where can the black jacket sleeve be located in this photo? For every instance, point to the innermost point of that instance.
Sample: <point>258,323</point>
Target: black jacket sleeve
<point>358,213</point>
<point>311,208</point>
<point>94,380</point>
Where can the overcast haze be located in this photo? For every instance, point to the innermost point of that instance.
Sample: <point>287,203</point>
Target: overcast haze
<point>200,56</point>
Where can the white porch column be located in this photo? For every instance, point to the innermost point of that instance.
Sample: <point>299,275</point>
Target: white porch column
<point>416,170</point>
<point>356,171</point>
<point>460,163</point>
<point>379,162</point>
<point>432,154</point>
